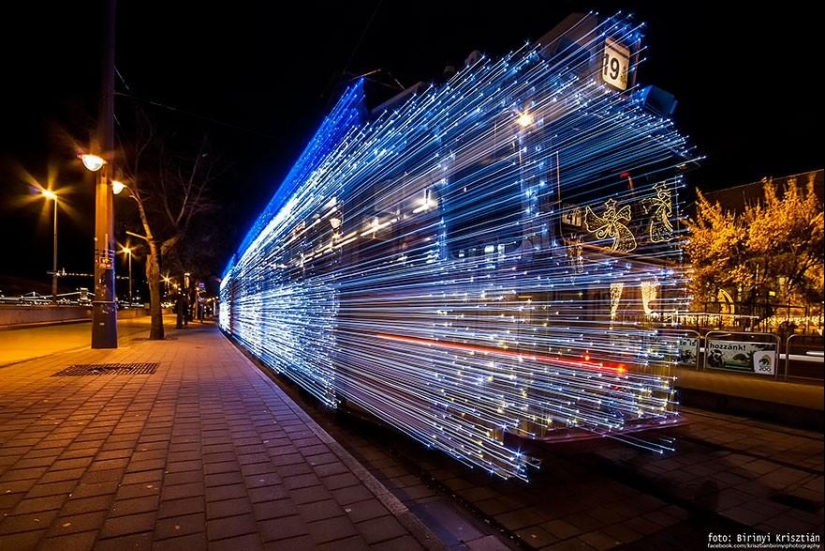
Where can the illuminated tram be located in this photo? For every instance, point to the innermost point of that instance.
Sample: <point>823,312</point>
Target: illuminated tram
<point>492,256</point>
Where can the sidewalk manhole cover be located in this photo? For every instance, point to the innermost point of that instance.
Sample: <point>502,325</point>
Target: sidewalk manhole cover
<point>80,370</point>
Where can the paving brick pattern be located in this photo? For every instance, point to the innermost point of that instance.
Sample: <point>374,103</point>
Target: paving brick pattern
<point>726,475</point>
<point>208,454</point>
<point>205,453</point>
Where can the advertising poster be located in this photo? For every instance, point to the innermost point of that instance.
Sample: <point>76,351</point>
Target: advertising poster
<point>751,357</point>
<point>689,352</point>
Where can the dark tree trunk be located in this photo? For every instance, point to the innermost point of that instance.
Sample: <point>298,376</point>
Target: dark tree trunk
<point>155,308</point>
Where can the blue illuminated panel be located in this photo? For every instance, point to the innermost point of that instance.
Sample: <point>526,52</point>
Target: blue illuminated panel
<point>496,255</point>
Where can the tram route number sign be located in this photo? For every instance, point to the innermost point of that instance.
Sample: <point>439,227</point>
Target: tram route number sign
<point>615,64</point>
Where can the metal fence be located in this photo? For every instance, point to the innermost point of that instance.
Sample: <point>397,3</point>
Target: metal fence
<point>791,358</point>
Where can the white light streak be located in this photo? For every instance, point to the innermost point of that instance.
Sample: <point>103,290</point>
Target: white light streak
<point>460,275</point>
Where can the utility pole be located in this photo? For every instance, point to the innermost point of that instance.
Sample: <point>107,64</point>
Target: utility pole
<point>104,307</point>
<point>54,254</point>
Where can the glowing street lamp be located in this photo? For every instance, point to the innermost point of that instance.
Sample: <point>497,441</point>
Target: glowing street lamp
<point>52,196</point>
<point>92,162</point>
<point>128,251</point>
<point>166,280</point>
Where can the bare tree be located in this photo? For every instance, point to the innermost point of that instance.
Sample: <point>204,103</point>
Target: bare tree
<point>170,185</point>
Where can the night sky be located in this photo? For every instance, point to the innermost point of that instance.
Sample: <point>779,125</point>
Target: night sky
<point>258,79</point>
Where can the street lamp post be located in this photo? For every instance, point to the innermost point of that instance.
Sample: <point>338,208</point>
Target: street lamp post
<point>48,194</point>
<point>128,251</point>
<point>104,308</point>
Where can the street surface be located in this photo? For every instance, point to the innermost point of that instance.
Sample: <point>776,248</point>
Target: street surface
<point>726,475</point>
<point>17,345</point>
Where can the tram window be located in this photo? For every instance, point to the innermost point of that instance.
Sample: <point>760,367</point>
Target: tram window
<point>483,209</point>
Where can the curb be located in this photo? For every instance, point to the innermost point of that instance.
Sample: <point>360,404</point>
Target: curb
<point>412,523</point>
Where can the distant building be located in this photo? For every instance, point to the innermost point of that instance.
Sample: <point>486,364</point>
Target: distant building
<point>735,198</point>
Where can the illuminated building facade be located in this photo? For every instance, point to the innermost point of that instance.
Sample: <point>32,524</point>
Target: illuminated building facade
<point>492,256</point>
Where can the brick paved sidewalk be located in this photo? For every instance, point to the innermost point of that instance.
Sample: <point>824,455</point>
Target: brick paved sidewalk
<point>204,453</point>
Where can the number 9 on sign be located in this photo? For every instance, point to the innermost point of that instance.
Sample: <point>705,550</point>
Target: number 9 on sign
<point>615,64</point>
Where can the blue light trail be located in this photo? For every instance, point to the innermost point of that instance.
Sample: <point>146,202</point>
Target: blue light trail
<point>477,260</point>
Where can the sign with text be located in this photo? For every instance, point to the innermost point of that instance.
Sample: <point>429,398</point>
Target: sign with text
<point>750,357</point>
<point>689,352</point>
<point>615,64</point>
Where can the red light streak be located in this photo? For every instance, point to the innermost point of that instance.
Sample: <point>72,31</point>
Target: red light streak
<point>541,358</point>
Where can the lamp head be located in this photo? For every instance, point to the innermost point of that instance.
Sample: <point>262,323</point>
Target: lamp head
<point>92,162</point>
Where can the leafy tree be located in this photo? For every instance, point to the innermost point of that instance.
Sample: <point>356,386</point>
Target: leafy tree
<point>716,243</point>
<point>786,232</point>
<point>774,247</point>
<point>170,185</point>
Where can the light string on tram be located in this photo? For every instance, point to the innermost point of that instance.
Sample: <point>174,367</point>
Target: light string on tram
<point>415,267</point>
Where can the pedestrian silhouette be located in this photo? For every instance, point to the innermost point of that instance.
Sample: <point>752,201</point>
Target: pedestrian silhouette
<point>181,308</point>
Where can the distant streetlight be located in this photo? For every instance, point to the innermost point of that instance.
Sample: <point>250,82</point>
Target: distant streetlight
<point>48,194</point>
<point>128,251</point>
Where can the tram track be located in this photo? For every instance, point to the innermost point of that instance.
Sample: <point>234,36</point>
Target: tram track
<point>348,428</point>
<point>801,433</point>
<point>720,447</point>
<point>700,499</point>
<point>694,501</point>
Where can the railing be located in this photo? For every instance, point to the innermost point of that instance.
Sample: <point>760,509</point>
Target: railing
<point>689,347</point>
<point>81,297</point>
<point>742,352</point>
<point>797,357</point>
<point>808,355</point>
